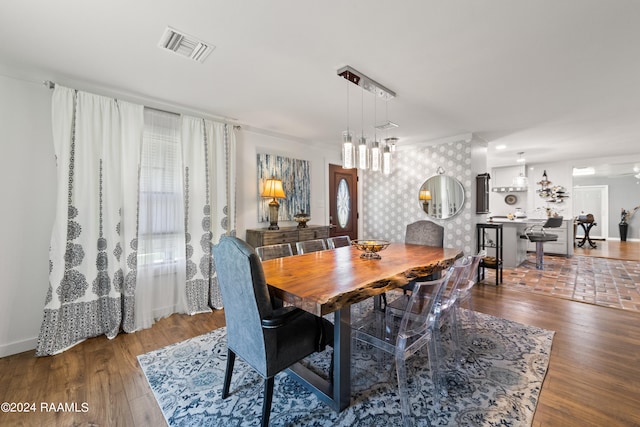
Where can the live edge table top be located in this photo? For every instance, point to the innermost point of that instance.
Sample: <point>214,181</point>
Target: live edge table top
<point>325,281</point>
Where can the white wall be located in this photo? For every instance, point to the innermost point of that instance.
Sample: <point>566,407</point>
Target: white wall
<point>252,143</point>
<point>27,173</point>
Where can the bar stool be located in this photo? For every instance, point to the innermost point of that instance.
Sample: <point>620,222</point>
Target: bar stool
<point>537,234</point>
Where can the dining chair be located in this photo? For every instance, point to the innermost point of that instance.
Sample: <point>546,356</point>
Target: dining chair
<point>426,233</point>
<point>270,340</point>
<point>465,297</point>
<point>538,235</point>
<point>454,307</point>
<point>464,271</point>
<point>338,242</point>
<point>310,246</point>
<point>274,251</point>
<point>404,336</point>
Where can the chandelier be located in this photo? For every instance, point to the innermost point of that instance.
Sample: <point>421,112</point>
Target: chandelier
<point>373,154</point>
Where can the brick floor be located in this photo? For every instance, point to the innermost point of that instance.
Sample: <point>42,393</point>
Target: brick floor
<point>601,281</point>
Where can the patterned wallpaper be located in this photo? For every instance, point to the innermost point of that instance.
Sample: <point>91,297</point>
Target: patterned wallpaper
<point>391,202</point>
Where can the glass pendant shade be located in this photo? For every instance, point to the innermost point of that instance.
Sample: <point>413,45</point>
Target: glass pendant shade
<point>386,161</point>
<point>375,156</point>
<point>348,151</point>
<point>520,181</point>
<point>363,154</point>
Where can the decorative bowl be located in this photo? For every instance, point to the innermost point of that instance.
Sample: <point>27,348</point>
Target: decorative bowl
<point>370,248</point>
<point>302,219</point>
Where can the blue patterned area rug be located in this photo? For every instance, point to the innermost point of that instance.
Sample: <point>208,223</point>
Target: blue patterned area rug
<point>498,385</point>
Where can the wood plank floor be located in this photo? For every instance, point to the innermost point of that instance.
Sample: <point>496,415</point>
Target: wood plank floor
<point>611,249</point>
<point>593,377</point>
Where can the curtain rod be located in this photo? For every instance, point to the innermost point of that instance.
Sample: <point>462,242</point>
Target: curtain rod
<point>51,85</point>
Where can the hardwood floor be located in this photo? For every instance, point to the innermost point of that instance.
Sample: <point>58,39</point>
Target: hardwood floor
<point>611,249</point>
<point>592,379</point>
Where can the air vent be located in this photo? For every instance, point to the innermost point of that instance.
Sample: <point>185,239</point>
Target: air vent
<point>185,45</point>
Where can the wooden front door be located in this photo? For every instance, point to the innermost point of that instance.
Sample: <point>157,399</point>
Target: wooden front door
<point>343,202</point>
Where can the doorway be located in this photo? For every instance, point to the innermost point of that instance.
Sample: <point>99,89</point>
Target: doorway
<point>343,202</point>
<point>592,199</point>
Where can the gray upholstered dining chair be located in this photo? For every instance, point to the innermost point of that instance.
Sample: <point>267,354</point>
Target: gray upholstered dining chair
<point>269,340</point>
<point>274,251</point>
<point>310,246</point>
<point>338,242</point>
<point>425,233</point>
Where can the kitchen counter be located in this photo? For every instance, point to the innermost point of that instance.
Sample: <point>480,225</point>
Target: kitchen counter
<point>515,248</point>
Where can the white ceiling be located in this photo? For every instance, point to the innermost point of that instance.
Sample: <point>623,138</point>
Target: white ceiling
<point>555,79</point>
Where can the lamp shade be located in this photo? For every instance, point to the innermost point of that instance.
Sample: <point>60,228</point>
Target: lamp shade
<point>425,195</point>
<point>273,188</point>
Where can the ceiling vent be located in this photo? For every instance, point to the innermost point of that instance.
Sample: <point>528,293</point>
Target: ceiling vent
<point>185,45</point>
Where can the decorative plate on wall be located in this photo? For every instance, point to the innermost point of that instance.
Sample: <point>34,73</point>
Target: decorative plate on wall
<point>510,199</point>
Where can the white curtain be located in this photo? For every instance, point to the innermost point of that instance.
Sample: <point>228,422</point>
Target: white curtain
<point>142,195</point>
<point>91,243</point>
<point>160,289</point>
<point>209,151</point>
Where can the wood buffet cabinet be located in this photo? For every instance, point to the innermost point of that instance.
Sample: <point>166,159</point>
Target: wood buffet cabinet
<point>263,236</point>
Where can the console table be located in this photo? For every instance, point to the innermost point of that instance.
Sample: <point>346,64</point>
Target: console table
<point>263,237</point>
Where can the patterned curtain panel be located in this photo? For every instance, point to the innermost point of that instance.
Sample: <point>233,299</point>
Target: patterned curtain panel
<point>141,197</point>
<point>209,192</point>
<point>93,243</point>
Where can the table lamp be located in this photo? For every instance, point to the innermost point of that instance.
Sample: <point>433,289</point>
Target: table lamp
<point>273,188</point>
<point>425,196</point>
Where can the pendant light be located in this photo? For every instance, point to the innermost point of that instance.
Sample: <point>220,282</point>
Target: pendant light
<point>348,150</point>
<point>521,181</point>
<point>386,160</point>
<point>374,156</point>
<point>363,150</point>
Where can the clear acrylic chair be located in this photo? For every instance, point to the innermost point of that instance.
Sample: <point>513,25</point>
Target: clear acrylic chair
<point>404,336</point>
<point>453,308</point>
<point>274,251</point>
<point>338,242</point>
<point>310,246</point>
<point>463,270</point>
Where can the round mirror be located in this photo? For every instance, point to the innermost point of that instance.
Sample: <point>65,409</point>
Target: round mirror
<point>441,196</point>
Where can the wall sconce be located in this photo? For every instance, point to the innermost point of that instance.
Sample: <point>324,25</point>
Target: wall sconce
<point>273,188</point>
<point>425,196</point>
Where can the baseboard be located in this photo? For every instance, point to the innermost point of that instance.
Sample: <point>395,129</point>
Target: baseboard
<point>18,347</point>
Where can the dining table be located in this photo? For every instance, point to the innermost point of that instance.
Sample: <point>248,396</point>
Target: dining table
<point>331,281</point>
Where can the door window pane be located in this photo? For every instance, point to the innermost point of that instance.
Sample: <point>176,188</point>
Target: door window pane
<point>343,199</point>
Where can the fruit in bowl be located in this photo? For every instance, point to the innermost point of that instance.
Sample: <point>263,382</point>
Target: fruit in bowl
<point>370,247</point>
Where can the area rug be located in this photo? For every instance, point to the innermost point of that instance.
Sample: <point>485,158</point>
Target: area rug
<point>600,281</point>
<point>498,385</point>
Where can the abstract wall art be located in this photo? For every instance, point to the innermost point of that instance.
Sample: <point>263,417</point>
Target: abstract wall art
<point>296,182</point>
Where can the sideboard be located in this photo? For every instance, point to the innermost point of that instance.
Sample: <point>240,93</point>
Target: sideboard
<point>263,236</point>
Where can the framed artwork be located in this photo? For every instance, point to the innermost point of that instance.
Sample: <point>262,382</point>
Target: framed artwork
<point>296,182</point>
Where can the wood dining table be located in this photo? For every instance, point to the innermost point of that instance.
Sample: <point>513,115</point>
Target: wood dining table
<point>331,281</point>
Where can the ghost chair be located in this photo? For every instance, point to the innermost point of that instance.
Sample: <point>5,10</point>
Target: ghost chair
<point>404,336</point>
